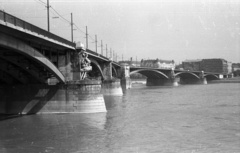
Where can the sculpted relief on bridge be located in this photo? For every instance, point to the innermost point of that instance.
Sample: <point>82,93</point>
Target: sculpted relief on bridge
<point>81,65</point>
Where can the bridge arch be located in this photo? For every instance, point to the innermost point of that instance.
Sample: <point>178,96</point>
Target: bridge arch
<point>114,72</point>
<point>18,47</point>
<point>187,74</point>
<point>188,77</point>
<point>96,68</point>
<point>150,73</point>
<point>211,77</point>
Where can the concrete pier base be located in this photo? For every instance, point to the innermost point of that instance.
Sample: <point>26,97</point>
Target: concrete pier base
<point>126,83</point>
<point>175,82</point>
<point>203,81</point>
<point>75,97</point>
<point>112,87</point>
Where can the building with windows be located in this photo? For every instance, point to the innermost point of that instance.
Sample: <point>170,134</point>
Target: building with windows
<point>236,69</point>
<point>235,66</point>
<point>217,65</point>
<point>192,65</point>
<point>130,63</point>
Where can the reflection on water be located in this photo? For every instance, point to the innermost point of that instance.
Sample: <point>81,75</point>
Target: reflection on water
<point>51,132</point>
<point>184,119</point>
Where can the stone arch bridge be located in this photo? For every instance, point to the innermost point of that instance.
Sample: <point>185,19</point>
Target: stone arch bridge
<point>157,76</point>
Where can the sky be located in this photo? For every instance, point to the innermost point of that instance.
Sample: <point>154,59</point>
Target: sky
<point>142,29</point>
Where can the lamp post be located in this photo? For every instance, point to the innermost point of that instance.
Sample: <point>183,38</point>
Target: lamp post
<point>48,15</point>
<point>72,27</point>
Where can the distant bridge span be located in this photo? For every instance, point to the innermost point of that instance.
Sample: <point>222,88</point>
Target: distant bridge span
<point>168,75</point>
<point>163,73</point>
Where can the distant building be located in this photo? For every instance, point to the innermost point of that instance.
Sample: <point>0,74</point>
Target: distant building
<point>192,65</point>
<point>130,63</point>
<point>215,65</point>
<point>229,68</point>
<point>235,66</point>
<point>236,69</point>
<point>158,63</point>
<point>178,67</point>
<point>208,65</point>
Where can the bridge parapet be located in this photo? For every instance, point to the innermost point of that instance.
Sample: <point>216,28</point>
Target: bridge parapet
<point>21,25</point>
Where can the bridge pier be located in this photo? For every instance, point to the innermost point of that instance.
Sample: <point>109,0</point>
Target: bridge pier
<point>74,97</point>
<point>126,83</point>
<point>203,81</point>
<point>175,82</point>
<point>110,85</point>
<point>125,77</point>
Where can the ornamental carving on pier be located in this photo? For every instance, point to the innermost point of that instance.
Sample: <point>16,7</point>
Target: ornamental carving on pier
<point>84,62</point>
<point>81,64</point>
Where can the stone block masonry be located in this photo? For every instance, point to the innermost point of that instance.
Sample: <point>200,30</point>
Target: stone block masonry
<point>71,98</point>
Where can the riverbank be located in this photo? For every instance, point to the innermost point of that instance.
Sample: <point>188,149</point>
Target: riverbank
<point>226,80</point>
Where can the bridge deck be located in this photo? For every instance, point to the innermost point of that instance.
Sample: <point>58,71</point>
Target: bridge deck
<point>29,31</point>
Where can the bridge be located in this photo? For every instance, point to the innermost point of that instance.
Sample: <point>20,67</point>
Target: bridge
<point>41,72</point>
<point>30,55</point>
<point>157,76</point>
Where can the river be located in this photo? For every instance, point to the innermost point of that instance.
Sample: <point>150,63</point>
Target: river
<point>184,119</point>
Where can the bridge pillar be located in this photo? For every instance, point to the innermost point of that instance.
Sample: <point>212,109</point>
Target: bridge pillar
<point>75,67</point>
<point>202,79</point>
<point>107,71</point>
<point>125,79</point>
<point>64,65</point>
<point>110,85</point>
<point>173,80</point>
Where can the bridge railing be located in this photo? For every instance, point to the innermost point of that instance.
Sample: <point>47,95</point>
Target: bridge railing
<point>97,54</point>
<point>23,25</point>
<point>103,57</point>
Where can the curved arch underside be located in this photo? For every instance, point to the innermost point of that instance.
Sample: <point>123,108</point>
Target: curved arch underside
<point>211,77</point>
<point>114,72</point>
<point>24,63</point>
<point>96,68</point>
<point>151,73</point>
<point>187,75</point>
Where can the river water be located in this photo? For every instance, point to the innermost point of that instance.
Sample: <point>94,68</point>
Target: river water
<point>184,119</point>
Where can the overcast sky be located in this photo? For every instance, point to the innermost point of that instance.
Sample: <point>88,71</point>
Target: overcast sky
<point>146,29</point>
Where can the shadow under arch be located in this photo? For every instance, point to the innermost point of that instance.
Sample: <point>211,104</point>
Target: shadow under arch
<point>187,77</point>
<point>211,77</point>
<point>187,74</point>
<point>97,67</point>
<point>24,49</point>
<point>151,73</point>
<point>114,72</point>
